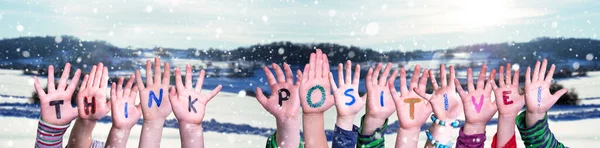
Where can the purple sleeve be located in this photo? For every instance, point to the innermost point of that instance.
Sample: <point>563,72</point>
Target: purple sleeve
<point>470,141</point>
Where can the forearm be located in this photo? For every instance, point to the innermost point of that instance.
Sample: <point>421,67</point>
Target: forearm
<point>288,132</point>
<point>506,129</point>
<point>439,133</point>
<point>81,134</point>
<point>314,130</point>
<point>407,137</point>
<point>117,137</point>
<point>531,118</point>
<point>191,135</point>
<point>151,133</point>
<point>537,135</point>
<point>345,122</point>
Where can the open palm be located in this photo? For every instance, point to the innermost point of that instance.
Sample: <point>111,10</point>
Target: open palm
<point>444,101</point>
<point>188,103</point>
<point>537,89</point>
<point>154,96</point>
<point>412,109</point>
<point>478,106</point>
<point>283,102</point>
<point>511,102</point>
<point>57,96</point>
<point>379,100</point>
<point>315,87</point>
<point>92,102</point>
<point>347,100</point>
<point>125,114</point>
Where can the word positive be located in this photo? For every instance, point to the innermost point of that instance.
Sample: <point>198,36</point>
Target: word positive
<point>126,112</point>
<point>412,102</point>
<point>309,100</point>
<point>191,104</point>
<point>56,104</point>
<point>158,99</point>
<point>539,93</point>
<point>477,105</point>
<point>381,98</point>
<point>347,93</point>
<point>89,105</point>
<point>505,97</point>
<point>446,102</point>
<point>282,97</point>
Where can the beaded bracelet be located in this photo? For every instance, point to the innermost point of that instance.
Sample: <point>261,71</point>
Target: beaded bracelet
<point>435,143</point>
<point>435,120</point>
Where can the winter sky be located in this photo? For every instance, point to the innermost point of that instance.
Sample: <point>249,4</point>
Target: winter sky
<point>379,24</point>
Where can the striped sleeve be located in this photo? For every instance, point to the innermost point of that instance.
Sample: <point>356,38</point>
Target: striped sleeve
<point>272,142</point>
<point>368,141</point>
<point>50,136</point>
<point>537,136</point>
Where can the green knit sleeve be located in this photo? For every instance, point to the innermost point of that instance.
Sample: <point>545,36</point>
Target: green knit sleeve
<point>272,142</point>
<point>538,135</point>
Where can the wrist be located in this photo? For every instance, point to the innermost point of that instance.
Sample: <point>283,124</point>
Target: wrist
<point>345,122</point>
<point>532,117</point>
<point>370,124</point>
<point>191,127</point>
<point>441,133</point>
<point>87,122</point>
<point>288,124</point>
<point>474,128</point>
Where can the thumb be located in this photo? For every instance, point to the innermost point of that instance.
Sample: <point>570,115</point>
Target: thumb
<point>558,94</point>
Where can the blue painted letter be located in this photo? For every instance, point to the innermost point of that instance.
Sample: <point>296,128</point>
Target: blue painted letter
<point>126,112</point>
<point>381,99</point>
<point>157,99</point>
<point>347,93</point>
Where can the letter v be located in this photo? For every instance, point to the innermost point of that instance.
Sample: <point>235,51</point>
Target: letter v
<point>477,105</point>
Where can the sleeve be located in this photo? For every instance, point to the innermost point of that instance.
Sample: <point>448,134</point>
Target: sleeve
<point>512,143</point>
<point>272,142</point>
<point>375,140</point>
<point>50,136</point>
<point>343,138</point>
<point>470,141</point>
<point>538,135</point>
<point>97,144</point>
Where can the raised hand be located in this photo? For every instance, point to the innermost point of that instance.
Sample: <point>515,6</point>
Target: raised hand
<point>125,113</point>
<point>283,103</point>
<point>347,100</point>
<point>154,96</point>
<point>315,85</point>
<point>478,106</point>
<point>92,102</point>
<point>537,92</point>
<point>379,100</point>
<point>188,103</point>
<point>412,109</point>
<point>446,104</point>
<point>508,99</point>
<point>56,104</point>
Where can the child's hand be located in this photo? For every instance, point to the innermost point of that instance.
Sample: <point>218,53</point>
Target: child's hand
<point>379,100</point>
<point>446,104</point>
<point>125,114</point>
<point>412,109</point>
<point>537,92</point>
<point>283,102</point>
<point>56,104</point>
<point>91,99</point>
<point>156,105</point>
<point>478,106</point>
<point>347,100</point>
<point>508,99</point>
<point>188,103</point>
<point>315,85</point>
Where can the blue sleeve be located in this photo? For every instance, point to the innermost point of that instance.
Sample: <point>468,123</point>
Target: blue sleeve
<point>343,138</point>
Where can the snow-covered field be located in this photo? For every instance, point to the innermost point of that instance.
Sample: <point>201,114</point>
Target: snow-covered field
<point>239,110</point>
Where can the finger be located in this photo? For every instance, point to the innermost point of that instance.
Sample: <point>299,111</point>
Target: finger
<point>550,74</point>
<point>104,79</point>
<point>133,94</point>
<point>492,77</point>
<point>543,70</point>
<point>178,81</point>
<point>62,83</point>
<point>305,73</point>
<point>421,93</point>
<point>494,86</point>
<point>149,78</point>
<point>84,82</point>
<point>470,85</point>
<point>356,75</point>
<point>443,78</point>
<point>528,76</point>
<point>98,75</point>
<point>278,72</point>
<point>508,81</point>
<point>311,72</point>
<point>393,91</point>
<point>127,89</point>
<point>376,74</point>
<point>74,81</point>
<point>481,78</point>
<point>289,76</point>
<point>200,81</point>
<point>326,70</point>
<point>558,94</point>
<point>536,72</point>
<point>138,80</point>
<point>261,97</point>
<point>341,75</point>
<point>157,72</point>
<point>50,84</point>
<point>515,80</point>
<point>333,85</point>
<point>452,77</point>
<point>270,77</point>
<point>38,87</point>
<point>299,76</point>
<point>403,87</point>
<point>214,92</point>
<point>423,80</point>
<point>433,81</point>
<point>173,95</point>
<point>414,79</point>
<point>392,78</point>
<point>385,74</point>
<point>348,76</point>
<point>369,78</point>
<point>113,92</point>
<point>459,89</point>
<point>166,80</point>
<point>118,90</point>
<point>501,77</point>
<point>319,63</point>
<point>188,78</point>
